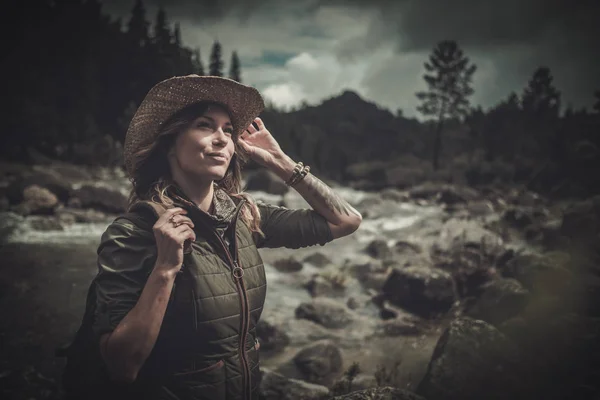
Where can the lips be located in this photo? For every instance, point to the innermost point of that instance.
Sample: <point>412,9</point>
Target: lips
<point>218,156</point>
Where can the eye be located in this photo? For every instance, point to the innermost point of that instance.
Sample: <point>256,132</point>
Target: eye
<point>228,130</point>
<point>203,124</point>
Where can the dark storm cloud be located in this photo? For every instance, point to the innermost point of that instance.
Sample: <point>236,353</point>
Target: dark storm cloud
<point>211,10</point>
<point>517,35</point>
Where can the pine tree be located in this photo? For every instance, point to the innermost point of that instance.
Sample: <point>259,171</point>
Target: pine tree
<point>449,76</point>
<point>216,63</point>
<point>234,69</point>
<point>162,33</point>
<point>137,28</point>
<point>198,68</point>
<point>177,34</point>
<point>540,97</point>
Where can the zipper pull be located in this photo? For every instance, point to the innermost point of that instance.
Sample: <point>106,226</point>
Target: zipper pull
<point>237,271</point>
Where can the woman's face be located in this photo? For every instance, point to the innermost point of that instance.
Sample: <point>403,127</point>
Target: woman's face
<point>205,149</point>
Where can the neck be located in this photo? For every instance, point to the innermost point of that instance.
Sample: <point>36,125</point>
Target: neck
<point>200,192</point>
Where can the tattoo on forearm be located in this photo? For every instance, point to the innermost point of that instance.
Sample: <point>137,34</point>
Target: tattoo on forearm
<point>333,201</point>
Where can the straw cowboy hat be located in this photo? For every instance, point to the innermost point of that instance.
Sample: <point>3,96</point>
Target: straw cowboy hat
<point>244,103</point>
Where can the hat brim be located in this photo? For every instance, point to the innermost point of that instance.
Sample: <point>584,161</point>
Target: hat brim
<point>243,103</point>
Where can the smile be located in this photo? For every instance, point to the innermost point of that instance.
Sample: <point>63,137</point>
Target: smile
<point>218,157</point>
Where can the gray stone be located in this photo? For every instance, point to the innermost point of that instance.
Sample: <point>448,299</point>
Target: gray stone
<point>271,337</point>
<point>472,360</point>
<point>501,299</point>
<point>317,259</point>
<point>319,362</point>
<point>289,264</point>
<point>275,386</point>
<point>380,393</point>
<point>326,312</point>
<point>422,290</point>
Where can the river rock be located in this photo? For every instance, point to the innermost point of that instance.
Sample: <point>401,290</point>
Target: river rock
<point>319,285</point>
<point>581,220</point>
<point>380,393</point>
<point>319,362</point>
<point>397,327</point>
<point>326,312</point>
<point>266,181</point>
<point>470,265</point>
<point>271,337</point>
<point>101,197</point>
<point>361,266</point>
<point>39,200</point>
<point>502,299</point>
<point>379,249</point>
<point>45,179</point>
<point>318,259</point>
<point>275,386</point>
<point>459,232</point>
<point>422,290</point>
<point>472,360</point>
<point>359,382</point>
<point>538,272</point>
<point>289,264</point>
<point>443,193</point>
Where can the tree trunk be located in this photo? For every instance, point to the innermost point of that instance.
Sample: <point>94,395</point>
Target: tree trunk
<point>437,144</point>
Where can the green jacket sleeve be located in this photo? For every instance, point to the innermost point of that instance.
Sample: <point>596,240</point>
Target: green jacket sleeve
<point>283,227</point>
<point>126,257</point>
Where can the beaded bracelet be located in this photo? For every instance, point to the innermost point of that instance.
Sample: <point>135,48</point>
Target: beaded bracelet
<point>298,176</point>
<point>295,173</point>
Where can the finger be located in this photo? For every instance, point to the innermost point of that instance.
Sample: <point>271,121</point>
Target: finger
<point>164,218</point>
<point>245,145</point>
<point>185,234</point>
<point>179,219</point>
<point>259,122</point>
<point>251,129</point>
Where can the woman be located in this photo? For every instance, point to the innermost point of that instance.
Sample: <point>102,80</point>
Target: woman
<point>181,285</point>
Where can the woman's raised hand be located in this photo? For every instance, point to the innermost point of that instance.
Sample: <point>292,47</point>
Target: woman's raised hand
<point>171,231</point>
<point>260,145</point>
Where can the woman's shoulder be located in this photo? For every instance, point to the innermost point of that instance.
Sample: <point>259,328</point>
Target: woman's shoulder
<point>130,227</point>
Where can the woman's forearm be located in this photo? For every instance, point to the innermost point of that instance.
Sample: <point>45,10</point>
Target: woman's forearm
<point>126,348</point>
<point>343,218</point>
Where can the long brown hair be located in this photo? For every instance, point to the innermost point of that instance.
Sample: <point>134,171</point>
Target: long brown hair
<point>151,177</point>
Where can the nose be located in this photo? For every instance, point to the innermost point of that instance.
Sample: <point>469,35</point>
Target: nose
<point>220,137</point>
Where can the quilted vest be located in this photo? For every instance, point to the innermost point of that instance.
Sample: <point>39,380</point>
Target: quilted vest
<point>207,347</point>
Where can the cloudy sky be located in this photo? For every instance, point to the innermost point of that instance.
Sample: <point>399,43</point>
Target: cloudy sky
<point>311,50</point>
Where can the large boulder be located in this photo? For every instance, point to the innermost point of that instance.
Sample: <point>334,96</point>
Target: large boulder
<point>581,220</point>
<point>425,291</point>
<point>274,386</point>
<point>535,272</point>
<point>380,393</point>
<point>326,312</point>
<point>38,200</point>
<point>264,180</point>
<point>472,360</point>
<point>501,299</point>
<point>319,362</point>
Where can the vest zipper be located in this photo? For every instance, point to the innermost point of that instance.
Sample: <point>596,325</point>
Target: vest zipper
<point>238,273</point>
